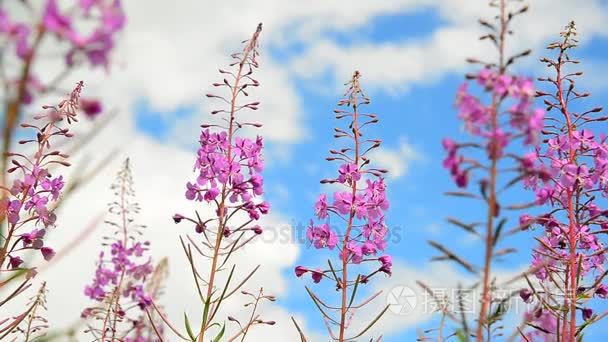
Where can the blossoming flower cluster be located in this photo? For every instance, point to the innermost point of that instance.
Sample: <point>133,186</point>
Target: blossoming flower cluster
<point>88,27</point>
<point>28,204</point>
<point>14,33</point>
<point>500,116</point>
<point>94,45</point>
<point>574,164</point>
<point>361,205</point>
<point>523,120</point>
<point>238,172</point>
<point>369,205</point>
<point>228,167</point>
<point>110,269</point>
<point>120,278</point>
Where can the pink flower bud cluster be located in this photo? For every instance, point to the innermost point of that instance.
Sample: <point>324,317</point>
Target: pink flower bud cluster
<point>123,267</point>
<point>362,204</point>
<point>235,166</point>
<point>29,203</point>
<point>545,322</point>
<point>228,170</point>
<point>123,262</point>
<point>15,34</point>
<point>522,121</point>
<point>86,32</point>
<point>368,205</point>
<point>573,163</point>
<point>108,17</point>
<point>564,177</point>
<point>229,165</point>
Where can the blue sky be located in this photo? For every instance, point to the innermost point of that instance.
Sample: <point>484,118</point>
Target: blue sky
<point>411,54</point>
<point>418,114</point>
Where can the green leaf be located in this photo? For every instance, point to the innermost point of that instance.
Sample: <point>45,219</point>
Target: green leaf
<point>220,334</point>
<point>206,313</point>
<point>352,297</point>
<point>498,230</point>
<point>371,324</point>
<point>314,300</point>
<point>189,329</point>
<point>460,335</point>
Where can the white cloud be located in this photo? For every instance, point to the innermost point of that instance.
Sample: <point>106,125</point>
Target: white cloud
<point>396,161</point>
<point>414,307</point>
<point>159,172</point>
<point>169,55</point>
<point>396,66</point>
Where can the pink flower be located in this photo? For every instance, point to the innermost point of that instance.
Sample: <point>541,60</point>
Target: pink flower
<point>14,261</point>
<point>11,210</point>
<point>48,253</point>
<point>525,221</point>
<point>55,21</point>
<point>525,295</point>
<point>343,201</point>
<point>387,264</point>
<point>321,207</point>
<point>360,208</point>
<point>317,276</point>
<point>353,252</point>
<point>587,313</point>
<point>321,236</point>
<point>299,270</point>
<point>90,107</point>
<point>497,141</point>
<point>348,173</point>
<point>503,84</point>
<point>211,194</point>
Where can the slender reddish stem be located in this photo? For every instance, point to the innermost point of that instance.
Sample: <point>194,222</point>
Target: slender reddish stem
<point>12,227</point>
<point>11,118</point>
<point>571,280</point>
<point>222,219</point>
<point>14,106</point>
<point>344,282</point>
<point>252,317</point>
<point>492,203</point>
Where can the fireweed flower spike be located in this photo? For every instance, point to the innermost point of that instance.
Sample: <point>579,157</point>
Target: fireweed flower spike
<point>361,203</point>
<point>229,179</point>
<point>28,204</point>
<point>570,257</point>
<point>502,121</point>
<point>118,286</point>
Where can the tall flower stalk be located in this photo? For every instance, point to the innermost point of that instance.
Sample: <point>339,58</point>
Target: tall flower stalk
<point>65,37</point>
<point>229,179</point>
<point>360,205</point>
<point>119,284</point>
<point>28,205</point>
<point>502,120</point>
<point>570,259</point>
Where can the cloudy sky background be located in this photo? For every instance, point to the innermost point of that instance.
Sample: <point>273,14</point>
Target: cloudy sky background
<point>411,54</point>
